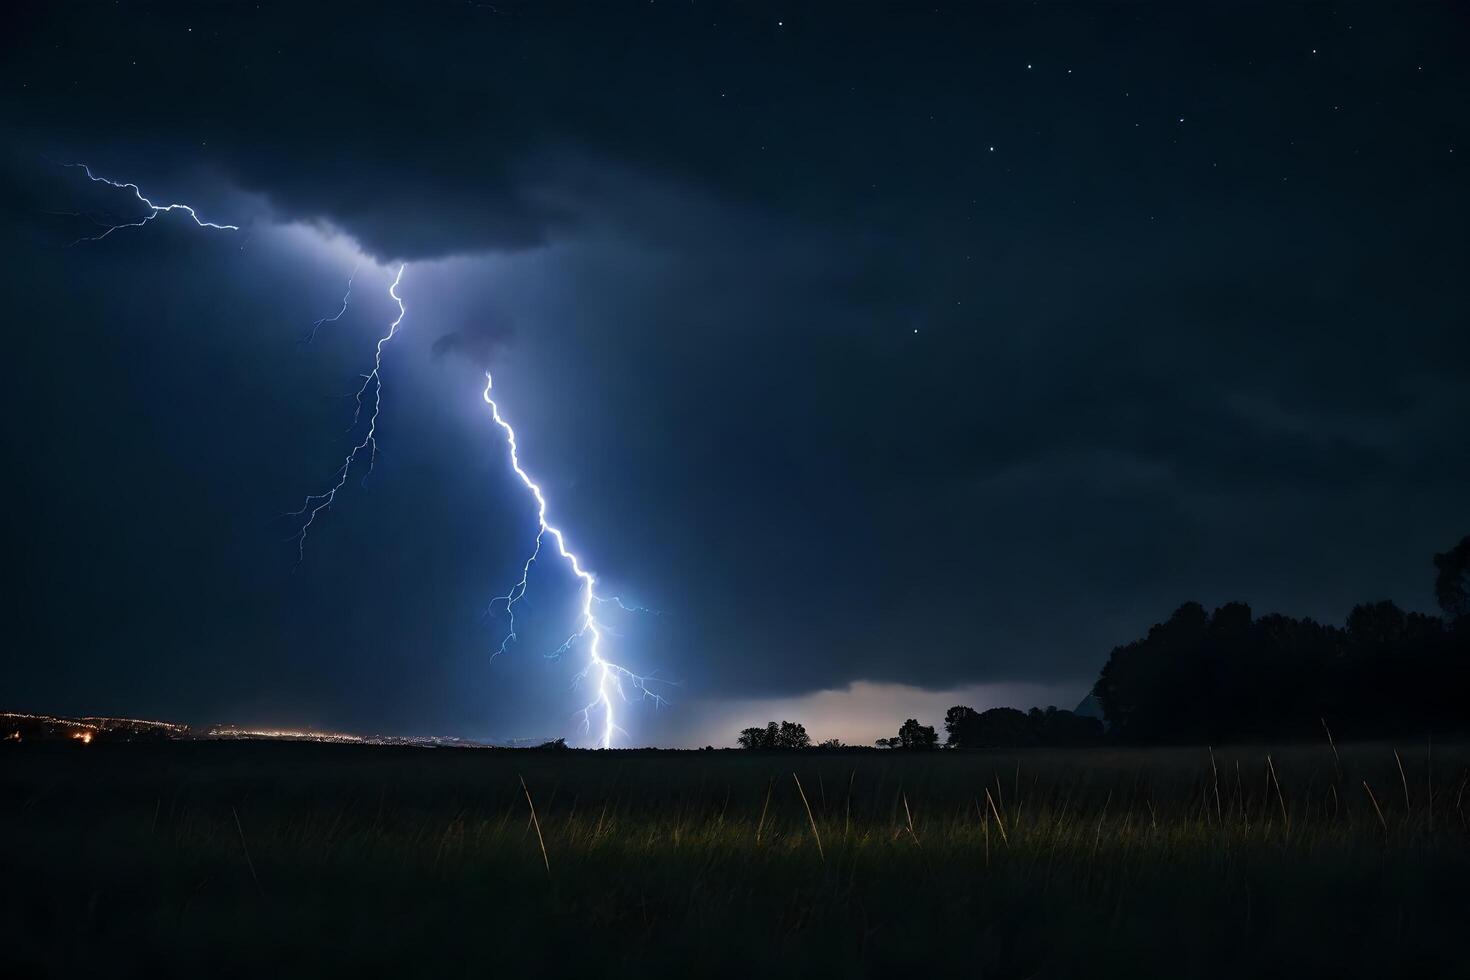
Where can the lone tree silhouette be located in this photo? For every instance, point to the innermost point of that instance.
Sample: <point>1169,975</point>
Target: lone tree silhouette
<point>912,735</point>
<point>785,735</point>
<point>1452,584</point>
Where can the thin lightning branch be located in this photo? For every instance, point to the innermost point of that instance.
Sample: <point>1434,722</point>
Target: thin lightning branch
<point>338,315</point>
<point>611,678</point>
<point>617,601</point>
<point>516,593</point>
<point>316,503</point>
<point>154,210</point>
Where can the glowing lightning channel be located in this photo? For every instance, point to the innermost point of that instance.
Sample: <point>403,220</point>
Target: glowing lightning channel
<point>347,296</point>
<point>318,502</point>
<point>154,210</point>
<point>611,677</point>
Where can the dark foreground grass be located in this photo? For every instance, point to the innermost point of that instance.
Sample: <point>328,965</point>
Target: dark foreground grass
<point>225,859</point>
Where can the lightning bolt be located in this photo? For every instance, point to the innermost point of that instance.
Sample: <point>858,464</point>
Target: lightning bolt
<point>318,502</point>
<point>154,210</point>
<point>347,296</point>
<point>611,678</point>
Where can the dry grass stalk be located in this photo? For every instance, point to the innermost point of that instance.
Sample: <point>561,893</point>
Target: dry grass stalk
<point>536,823</point>
<point>764,807</point>
<point>1219,814</point>
<point>812,819</point>
<point>1336,759</point>
<point>1408,808</point>
<point>246,848</point>
<point>1097,838</point>
<point>999,820</point>
<point>847,806</point>
<point>597,831</point>
<point>1285,820</point>
<point>1430,764</point>
<point>1376,807</point>
<point>1016,790</point>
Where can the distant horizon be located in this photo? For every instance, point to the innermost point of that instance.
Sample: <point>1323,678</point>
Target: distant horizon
<point>865,695</point>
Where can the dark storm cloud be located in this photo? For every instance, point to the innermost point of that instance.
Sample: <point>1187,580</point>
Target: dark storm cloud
<point>450,129</point>
<point>1187,296</point>
<point>318,110</point>
<point>479,342</point>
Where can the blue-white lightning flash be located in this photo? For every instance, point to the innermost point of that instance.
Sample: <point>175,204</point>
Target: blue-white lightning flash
<point>610,678</point>
<point>317,502</point>
<point>154,210</point>
<point>346,298</point>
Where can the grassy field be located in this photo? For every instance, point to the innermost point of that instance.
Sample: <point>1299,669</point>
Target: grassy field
<point>222,859</point>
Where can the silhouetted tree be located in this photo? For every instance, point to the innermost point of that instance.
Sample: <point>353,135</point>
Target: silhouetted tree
<point>792,736</point>
<point>1140,684</point>
<point>912,735</point>
<point>1011,728</point>
<point>1002,727</point>
<point>959,724</point>
<point>752,738</point>
<point>1452,583</point>
<point>1055,726</point>
<point>783,735</point>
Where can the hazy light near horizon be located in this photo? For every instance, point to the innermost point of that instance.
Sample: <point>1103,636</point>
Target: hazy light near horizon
<point>864,711</point>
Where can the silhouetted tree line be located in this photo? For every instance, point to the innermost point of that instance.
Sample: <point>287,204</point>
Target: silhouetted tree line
<point>965,727</point>
<point>786,735</point>
<point>1211,677</point>
<point>1013,728</point>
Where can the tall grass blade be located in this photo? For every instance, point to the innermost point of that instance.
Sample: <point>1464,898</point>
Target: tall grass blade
<point>815,833</point>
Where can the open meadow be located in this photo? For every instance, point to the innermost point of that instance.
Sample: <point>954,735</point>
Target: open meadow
<point>240,858</point>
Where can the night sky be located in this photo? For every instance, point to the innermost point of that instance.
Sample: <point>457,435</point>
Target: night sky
<point>899,355</point>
